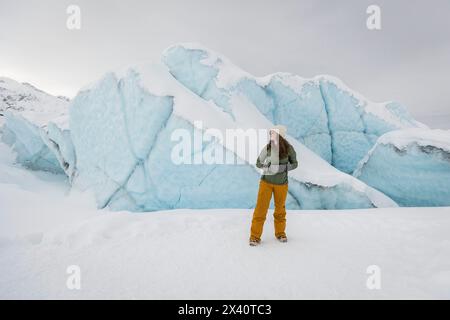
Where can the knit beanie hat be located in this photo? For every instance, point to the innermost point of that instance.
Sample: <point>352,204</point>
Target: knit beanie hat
<point>280,129</point>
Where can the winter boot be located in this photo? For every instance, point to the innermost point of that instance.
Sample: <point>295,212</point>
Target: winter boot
<point>254,242</point>
<point>282,238</point>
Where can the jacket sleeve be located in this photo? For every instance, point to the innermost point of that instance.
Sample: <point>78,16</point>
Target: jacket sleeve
<point>292,162</point>
<point>292,157</point>
<point>262,161</point>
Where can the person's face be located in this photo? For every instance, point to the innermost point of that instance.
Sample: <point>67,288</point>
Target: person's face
<point>273,136</point>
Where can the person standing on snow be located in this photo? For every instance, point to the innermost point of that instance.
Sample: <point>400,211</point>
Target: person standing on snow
<point>276,159</point>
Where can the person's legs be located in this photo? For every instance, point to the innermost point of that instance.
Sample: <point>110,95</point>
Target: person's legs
<point>260,212</point>
<point>279,214</point>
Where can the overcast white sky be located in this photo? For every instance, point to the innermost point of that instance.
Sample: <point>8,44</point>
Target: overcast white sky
<point>407,61</point>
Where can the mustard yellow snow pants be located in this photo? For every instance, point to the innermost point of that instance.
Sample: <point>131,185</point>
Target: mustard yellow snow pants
<point>262,205</point>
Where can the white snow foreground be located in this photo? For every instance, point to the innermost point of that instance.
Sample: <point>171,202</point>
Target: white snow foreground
<point>200,254</point>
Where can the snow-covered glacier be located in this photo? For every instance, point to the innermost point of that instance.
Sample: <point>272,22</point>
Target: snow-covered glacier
<point>411,166</point>
<point>334,121</point>
<point>122,131</point>
<point>118,136</point>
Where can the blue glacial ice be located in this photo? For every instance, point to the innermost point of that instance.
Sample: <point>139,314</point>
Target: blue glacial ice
<point>25,139</point>
<point>47,148</point>
<point>411,166</point>
<point>122,132</point>
<point>58,140</point>
<point>337,123</point>
<point>120,140</point>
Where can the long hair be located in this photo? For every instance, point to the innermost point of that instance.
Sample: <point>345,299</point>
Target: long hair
<point>283,146</point>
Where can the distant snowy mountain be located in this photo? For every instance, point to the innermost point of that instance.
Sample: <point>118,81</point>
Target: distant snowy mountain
<point>30,102</point>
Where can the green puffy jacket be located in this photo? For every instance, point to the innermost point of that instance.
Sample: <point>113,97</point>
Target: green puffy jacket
<point>275,170</point>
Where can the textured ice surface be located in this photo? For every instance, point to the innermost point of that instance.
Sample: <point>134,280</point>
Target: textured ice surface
<point>59,141</point>
<point>411,166</point>
<point>25,138</point>
<point>122,127</point>
<point>337,123</point>
<point>47,148</point>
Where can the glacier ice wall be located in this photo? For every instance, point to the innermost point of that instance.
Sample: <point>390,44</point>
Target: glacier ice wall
<point>25,139</point>
<point>121,135</point>
<point>335,122</point>
<point>59,141</point>
<point>411,166</point>
<point>120,139</point>
<point>47,148</point>
<point>122,126</point>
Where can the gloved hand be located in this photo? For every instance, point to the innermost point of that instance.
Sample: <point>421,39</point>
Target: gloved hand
<point>266,163</point>
<point>277,168</point>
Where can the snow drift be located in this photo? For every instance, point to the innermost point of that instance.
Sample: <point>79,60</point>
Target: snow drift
<point>411,166</point>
